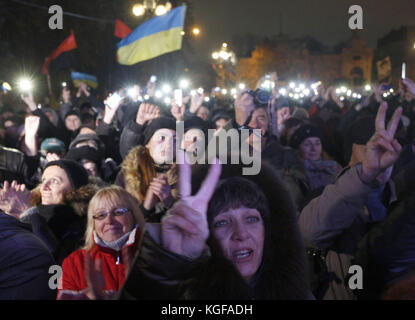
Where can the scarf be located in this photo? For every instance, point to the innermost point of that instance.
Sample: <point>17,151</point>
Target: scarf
<point>115,245</point>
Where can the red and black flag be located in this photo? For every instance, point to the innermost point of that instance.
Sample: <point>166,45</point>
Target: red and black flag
<point>61,58</point>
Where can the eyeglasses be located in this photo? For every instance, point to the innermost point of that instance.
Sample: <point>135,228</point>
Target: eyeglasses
<point>116,213</point>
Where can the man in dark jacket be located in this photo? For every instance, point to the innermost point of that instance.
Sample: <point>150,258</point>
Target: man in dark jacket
<point>24,262</point>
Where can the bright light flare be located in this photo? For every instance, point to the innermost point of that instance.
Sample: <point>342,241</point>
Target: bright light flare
<point>138,10</point>
<point>25,84</point>
<point>184,84</point>
<point>166,88</point>
<point>160,10</point>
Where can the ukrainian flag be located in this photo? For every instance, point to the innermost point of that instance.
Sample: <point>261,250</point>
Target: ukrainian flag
<point>78,77</point>
<point>153,38</point>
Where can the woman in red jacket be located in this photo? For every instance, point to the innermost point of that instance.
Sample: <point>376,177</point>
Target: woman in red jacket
<point>113,232</point>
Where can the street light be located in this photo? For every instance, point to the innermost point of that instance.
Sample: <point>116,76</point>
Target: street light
<point>196,31</point>
<point>224,59</point>
<point>151,7</point>
<point>138,10</point>
<point>160,10</point>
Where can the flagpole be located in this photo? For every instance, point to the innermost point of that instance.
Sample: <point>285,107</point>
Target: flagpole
<point>49,85</point>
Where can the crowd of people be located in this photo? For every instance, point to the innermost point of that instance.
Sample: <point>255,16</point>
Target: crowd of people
<point>105,190</point>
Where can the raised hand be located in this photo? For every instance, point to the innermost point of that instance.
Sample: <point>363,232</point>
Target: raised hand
<point>84,88</point>
<point>409,85</point>
<point>14,199</point>
<point>31,128</point>
<point>31,125</point>
<point>151,88</point>
<point>244,106</point>
<point>177,111</point>
<point>52,157</point>
<point>66,95</point>
<point>161,188</point>
<point>282,115</point>
<point>185,227</point>
<point>382,150</point>
<point>196,102</point>
<point>147,112</point>
<point>110,109</point>
<point>28,99</point>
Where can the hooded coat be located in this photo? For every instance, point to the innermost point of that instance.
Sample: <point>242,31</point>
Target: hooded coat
<point>131,179</point>
<point>160,274</point>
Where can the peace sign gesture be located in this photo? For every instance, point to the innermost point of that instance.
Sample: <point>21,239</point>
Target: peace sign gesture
<point>382,150</point>
<point>185,227</point>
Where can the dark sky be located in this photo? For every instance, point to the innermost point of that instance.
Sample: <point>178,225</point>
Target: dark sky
<point>327,20</point>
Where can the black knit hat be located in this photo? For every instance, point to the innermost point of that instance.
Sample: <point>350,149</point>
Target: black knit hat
<point>73,112</point>
<point>195,123</point>
<point>85,152</point>
<point>303,133</point>
<point>76,173</point>
<point>157,124</point>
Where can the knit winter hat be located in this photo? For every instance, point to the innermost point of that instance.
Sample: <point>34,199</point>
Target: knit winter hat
<point>73,112</point>
<point>85,152</point>
<point>157,124</point>
<point>76,173</point>
<point>303,133</point>
<point>195,123</point>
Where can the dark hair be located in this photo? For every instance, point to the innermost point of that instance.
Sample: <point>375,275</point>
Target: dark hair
<point>283,272</point>
<point>235,192</point>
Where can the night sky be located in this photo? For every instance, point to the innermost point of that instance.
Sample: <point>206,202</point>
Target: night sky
<point>326,20</point>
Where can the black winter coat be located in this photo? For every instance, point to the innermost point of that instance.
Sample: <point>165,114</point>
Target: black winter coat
<point>24,263</point>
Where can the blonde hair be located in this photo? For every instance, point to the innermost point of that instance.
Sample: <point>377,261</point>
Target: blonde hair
<point>109,196</point>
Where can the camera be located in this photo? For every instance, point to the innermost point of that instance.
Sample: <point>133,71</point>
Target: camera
<point>261,96</point>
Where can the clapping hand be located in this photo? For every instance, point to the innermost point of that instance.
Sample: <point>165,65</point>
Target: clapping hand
<point>185,227</point>
<point>161,188</point>
<point>14,198</point>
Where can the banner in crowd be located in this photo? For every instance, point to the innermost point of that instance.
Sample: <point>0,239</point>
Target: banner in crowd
<point>90,80</point>
<point>153,38</point>
<point>66,46</point>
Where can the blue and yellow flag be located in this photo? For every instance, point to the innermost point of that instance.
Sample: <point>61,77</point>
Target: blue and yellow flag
<point>153,38</point>
<point>78,77</point>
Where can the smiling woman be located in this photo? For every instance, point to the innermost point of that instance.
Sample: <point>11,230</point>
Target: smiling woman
<point>59,203</point>
<point>113,231</point>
